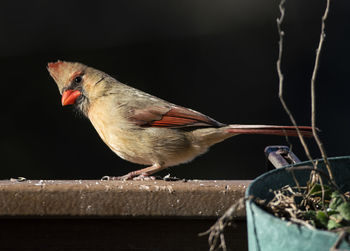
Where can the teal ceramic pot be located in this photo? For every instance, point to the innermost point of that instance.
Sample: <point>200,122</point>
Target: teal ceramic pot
<point>267,232</point>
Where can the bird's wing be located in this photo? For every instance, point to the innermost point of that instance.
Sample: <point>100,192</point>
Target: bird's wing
<point>171,117</point>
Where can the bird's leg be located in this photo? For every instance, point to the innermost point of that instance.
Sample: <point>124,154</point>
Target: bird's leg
<point>142,174</point>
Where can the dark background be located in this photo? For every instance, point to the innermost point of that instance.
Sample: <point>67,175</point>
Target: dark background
<point>217,57</point>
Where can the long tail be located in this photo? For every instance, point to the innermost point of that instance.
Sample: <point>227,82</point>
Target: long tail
<point>270,129</point>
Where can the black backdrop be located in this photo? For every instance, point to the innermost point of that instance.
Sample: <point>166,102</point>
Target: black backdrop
<point>217,57</point>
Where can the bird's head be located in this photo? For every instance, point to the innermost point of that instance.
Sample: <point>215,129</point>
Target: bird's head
<point>76,82</point>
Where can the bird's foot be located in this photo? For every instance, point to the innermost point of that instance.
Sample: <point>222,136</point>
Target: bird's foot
<point>130,176</point>
<point>144,177</point>
<point>142,174</point>
<point>168,177</point>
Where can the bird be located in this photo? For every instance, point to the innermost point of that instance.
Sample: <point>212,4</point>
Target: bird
<point>142,128</point>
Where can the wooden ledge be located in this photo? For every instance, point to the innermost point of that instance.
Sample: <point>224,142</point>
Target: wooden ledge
<point>193,198</point>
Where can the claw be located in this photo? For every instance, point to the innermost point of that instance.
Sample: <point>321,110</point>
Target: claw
<point>106,178</point>
<point>129,176</point>
<point>144,177</point>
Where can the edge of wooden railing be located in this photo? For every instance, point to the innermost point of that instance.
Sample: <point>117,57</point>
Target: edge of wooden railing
<point>96,198</point>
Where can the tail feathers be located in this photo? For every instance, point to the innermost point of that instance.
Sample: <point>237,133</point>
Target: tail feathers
<point>270,129</point>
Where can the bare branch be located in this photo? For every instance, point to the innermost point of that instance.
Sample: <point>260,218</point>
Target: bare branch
<point>313,97</point>
<point>216,232</point>
<point>281,78</point>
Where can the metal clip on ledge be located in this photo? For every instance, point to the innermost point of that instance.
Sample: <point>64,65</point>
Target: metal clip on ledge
<point>280,156</point>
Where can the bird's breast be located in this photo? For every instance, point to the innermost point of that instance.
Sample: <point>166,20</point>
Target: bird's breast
<point>118,133</point>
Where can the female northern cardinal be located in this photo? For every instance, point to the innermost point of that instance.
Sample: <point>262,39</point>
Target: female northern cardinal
<point>142,128</point>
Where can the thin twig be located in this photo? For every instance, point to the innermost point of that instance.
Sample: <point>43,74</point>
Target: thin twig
<point>302,222</point>
<point>281,78</point>
<point>341,238</point>
<point>313,96</point>
<point>311,168</point>
<point>216,231</point>
<point>314,175</point>
<point>323,192</point>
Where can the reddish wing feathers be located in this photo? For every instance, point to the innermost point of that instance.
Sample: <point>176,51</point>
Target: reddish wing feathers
<point>172,117</point>
<point>143,117</point>
<point>178,117</point>
<point>182,117</point>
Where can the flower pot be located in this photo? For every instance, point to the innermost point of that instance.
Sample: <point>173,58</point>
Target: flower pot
<point>267,232</point>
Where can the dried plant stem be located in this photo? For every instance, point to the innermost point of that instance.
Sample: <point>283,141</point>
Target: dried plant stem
<point>216,232</point>
<point>302,222</point>
<point>313,96</point>
<point>281,78</point>
<point>342,237</point>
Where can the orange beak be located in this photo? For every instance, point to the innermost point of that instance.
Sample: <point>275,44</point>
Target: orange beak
<point>69,97</point>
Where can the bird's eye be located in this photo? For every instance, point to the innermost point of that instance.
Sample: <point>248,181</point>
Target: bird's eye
<point>78,79</point>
